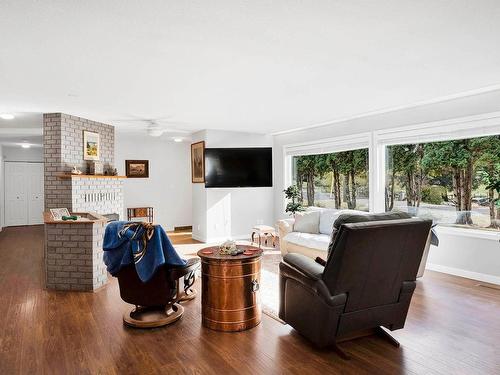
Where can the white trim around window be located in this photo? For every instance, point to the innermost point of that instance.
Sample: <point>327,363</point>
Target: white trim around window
<point>329,145</point>
<point>460,128</point>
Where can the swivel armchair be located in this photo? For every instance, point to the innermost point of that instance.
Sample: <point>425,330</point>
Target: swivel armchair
<point>157,302</point>
<point>366,284</point>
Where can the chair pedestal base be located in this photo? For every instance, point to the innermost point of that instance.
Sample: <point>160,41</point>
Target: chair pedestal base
<point>187,295</point>
<point>152,317</point>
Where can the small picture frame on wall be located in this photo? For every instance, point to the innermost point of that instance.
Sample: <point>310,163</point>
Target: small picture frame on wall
<point>96,168</point>
<point>137,168</point>
<point>198,162</point>
<point>91,145</point>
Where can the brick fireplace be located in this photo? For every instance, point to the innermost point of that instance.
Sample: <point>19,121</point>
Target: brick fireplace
<point>63,149</point>
<point>73,250</point>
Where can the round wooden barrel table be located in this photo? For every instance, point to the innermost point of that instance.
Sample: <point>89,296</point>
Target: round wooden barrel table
<point>230,289</point>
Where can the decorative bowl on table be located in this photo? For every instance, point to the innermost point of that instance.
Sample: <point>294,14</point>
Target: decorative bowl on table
<point>228,247</point>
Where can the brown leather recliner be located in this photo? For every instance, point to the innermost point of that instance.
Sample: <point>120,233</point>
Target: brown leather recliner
<point>367,283</point>
<point>157,301</point>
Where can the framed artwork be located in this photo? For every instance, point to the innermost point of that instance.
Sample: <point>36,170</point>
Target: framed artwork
<point>91,145</point>
<point>137,168</point>
<point>58,213</point>
<point>198,162</point>
<point>96,168</point>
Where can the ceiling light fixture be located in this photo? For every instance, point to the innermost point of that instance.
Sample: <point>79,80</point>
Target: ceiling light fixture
<point>25,145</point>
<point>6,116</point>
<point>155,131</point>
<point>177,139</point>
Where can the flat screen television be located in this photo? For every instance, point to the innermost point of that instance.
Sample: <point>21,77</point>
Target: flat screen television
<point>238,167</point>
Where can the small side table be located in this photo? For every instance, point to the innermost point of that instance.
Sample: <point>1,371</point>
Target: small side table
<point>264,231</point>
<point>230,298</point>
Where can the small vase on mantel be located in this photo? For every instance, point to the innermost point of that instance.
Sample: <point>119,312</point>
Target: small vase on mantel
<point>76,171</point>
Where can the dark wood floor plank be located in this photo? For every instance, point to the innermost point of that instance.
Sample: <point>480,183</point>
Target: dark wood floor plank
<point>453,326</point>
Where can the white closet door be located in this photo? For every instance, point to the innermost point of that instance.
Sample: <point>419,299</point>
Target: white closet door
<point>16,200</point>
<point>35,192</point>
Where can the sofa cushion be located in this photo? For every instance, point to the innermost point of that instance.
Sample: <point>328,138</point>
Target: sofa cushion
<point>312,241</point>
<point>307,222</point>
<point>347,218</point>
<point>328,216</point>
<point>326,220</point>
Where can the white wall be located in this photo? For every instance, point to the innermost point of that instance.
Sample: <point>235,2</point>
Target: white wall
<point>474,257</point>
<point>17,153</point>
<point>470,256</point>
<point>168,188</point>
<point>222,213</point>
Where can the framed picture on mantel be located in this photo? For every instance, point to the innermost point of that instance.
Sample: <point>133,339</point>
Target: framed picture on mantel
<point>137,168</point>
<point>198,162</point>
<point>91,145</point>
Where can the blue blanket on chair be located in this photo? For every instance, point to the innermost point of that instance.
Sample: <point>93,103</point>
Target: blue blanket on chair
<point>124,246</point>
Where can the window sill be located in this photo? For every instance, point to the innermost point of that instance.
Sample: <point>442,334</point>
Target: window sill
<point>474,233</point>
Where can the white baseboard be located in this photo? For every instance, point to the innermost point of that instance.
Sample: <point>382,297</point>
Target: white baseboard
<point>492,279</point>
<point>198,238</point>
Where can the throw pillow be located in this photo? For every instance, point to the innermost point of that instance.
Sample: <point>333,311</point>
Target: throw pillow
<point>307,222</point>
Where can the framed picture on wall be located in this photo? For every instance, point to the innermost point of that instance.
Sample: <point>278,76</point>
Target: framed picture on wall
<point>137,168</point>
<point>91,145</point>
<point>198,162</point>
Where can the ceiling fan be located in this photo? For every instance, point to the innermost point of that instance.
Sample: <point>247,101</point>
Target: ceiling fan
<point>153,127</point>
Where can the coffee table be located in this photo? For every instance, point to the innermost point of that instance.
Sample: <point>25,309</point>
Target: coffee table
<point>230,289</point>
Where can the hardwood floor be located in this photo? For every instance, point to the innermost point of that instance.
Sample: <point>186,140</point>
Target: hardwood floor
<point>453,327</point>
<point>181,237</point>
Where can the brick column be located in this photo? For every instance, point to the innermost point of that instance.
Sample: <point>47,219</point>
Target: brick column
<point>73,256</point>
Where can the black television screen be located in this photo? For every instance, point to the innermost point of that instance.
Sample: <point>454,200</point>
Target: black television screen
<point>238,167</point>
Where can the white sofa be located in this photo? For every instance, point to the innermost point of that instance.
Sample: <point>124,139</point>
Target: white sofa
<point>316,244</point>
<point>309,244</point>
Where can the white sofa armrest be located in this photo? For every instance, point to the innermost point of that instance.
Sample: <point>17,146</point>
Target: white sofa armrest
<point>423,262</point>
<point>285,226</point>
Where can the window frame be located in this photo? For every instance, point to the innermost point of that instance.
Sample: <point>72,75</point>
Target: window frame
<point>377,141</point>
<point>447,130</point>
<point>327,146</point>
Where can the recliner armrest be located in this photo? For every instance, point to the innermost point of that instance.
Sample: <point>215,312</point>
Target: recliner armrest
<point>308,273</point>
<point>305,265</point>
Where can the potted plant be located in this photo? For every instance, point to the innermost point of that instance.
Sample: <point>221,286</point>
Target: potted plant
<point>292,193</point>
